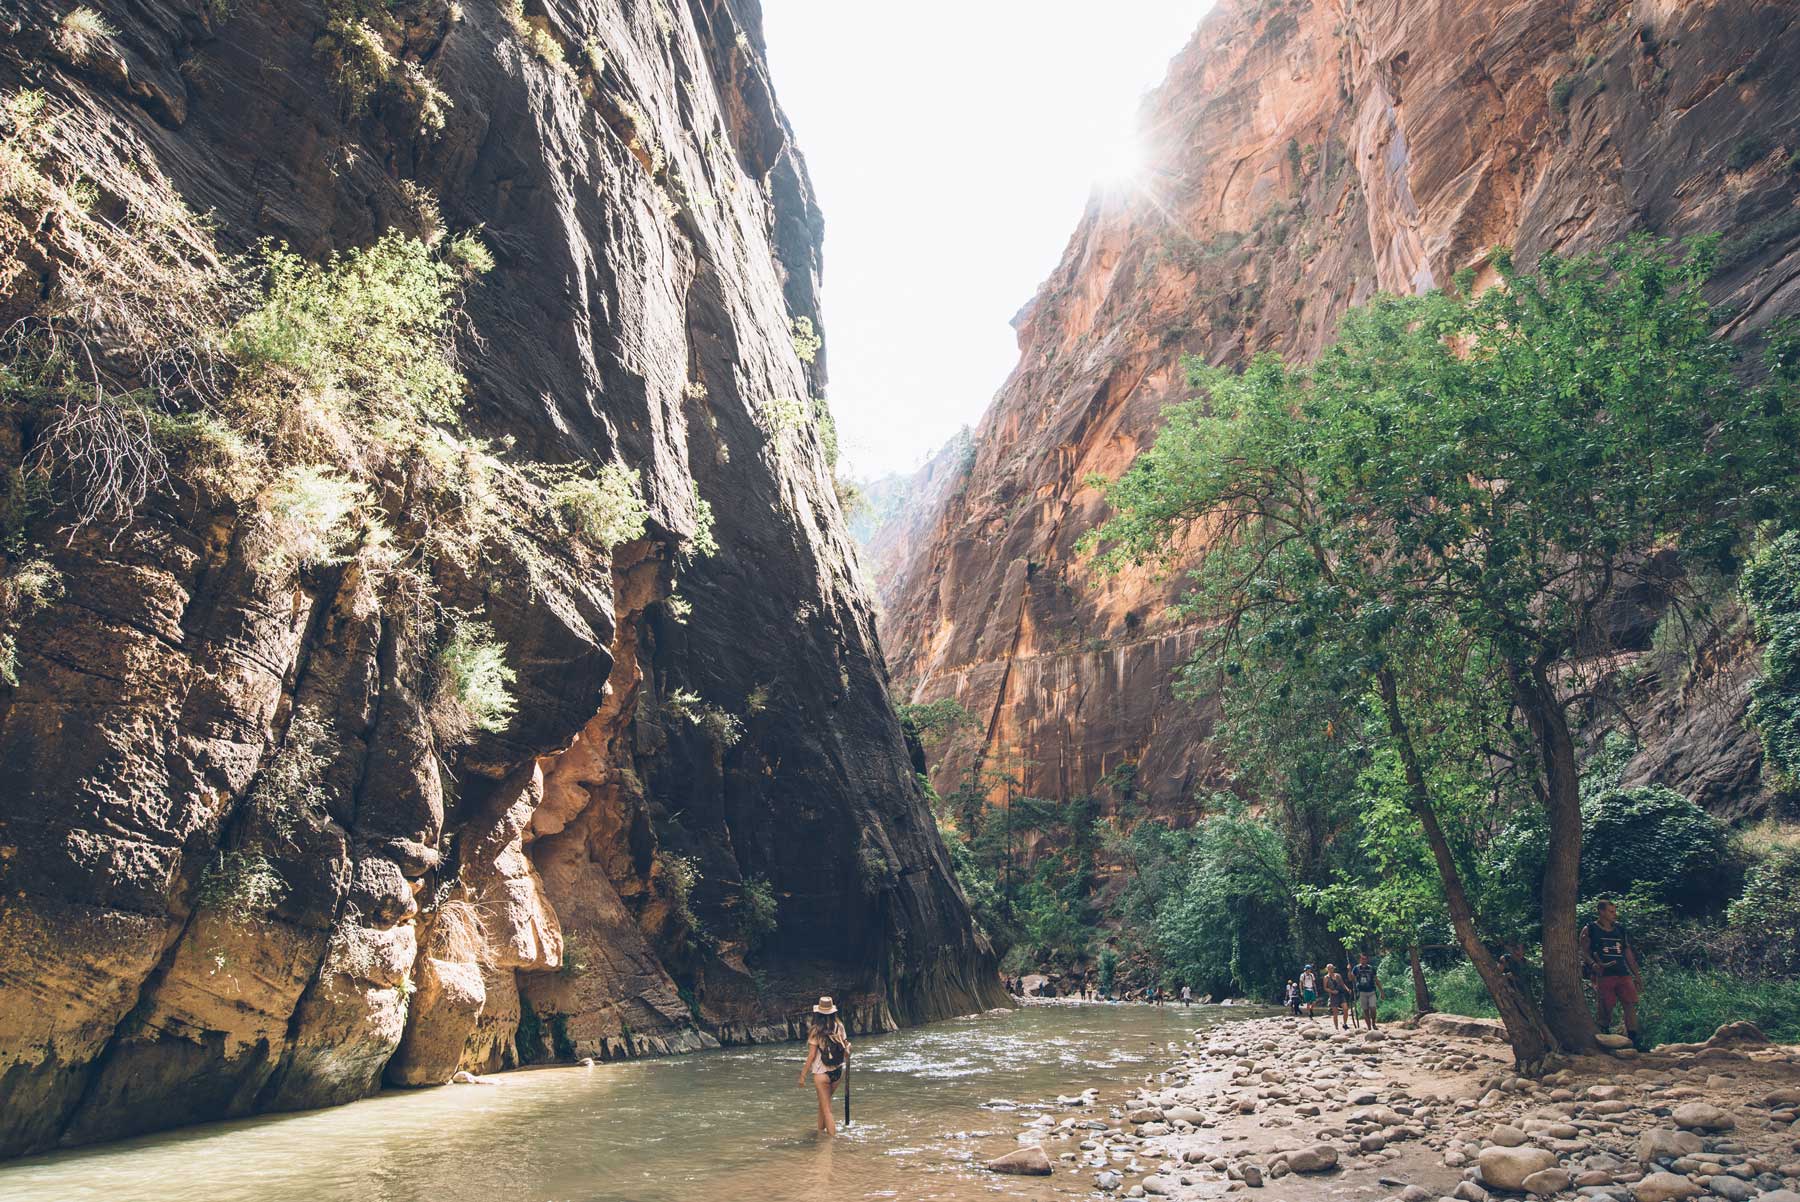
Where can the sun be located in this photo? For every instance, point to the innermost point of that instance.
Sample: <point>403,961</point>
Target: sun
<point>1120,162</point>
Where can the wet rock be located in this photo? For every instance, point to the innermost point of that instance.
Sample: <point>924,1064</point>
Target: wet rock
<point>1023,1162</point>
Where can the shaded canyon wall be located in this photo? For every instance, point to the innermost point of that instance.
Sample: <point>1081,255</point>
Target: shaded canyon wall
<point>689,725</point>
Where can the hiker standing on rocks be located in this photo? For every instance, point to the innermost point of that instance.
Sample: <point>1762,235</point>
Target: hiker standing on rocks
<point>1613,963</point>
<point>1337,998</point>
<point>1291,998</point>
<point>827,1055</point>
<point>1309,988</point>
<point>1368,988</point>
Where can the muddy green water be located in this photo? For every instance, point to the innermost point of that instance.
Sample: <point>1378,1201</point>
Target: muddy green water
<point>728,1126</point>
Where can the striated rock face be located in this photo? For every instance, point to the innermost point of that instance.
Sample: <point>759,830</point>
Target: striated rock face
<point>1305,154</point>
<point>575,884</point>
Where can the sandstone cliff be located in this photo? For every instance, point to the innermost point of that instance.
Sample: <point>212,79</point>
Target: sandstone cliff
<point>242,868</point>
<point>1304,154</point>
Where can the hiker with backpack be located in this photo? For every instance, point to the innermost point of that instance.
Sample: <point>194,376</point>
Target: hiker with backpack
<point>827,1057</point>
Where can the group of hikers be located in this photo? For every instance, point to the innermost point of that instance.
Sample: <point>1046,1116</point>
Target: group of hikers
<point>1088,991</point>
<point>1358,984</point>
<point>1609,961</point>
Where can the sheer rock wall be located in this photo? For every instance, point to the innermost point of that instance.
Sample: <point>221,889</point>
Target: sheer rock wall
<point>654,229</point>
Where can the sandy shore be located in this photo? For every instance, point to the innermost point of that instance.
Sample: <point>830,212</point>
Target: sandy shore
<point>1290,1107</point>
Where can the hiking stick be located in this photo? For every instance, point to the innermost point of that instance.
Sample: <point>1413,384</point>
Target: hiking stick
<point>846,1091</point>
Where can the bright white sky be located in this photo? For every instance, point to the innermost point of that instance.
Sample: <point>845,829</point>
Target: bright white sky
<point>953,144</point>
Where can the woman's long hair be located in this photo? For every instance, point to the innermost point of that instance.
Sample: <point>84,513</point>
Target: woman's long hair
<point>826,1031</point>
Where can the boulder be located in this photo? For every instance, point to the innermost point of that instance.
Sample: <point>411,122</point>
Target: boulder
<point>1702,1116</point>
<point>1546,1182</point>
<point>1782,1097</point>
<point>1660,1143</point>
<point>1024,1162</point>
<point>1316,1159</point>
<point>1730,1188</point>
<point>1507,1136</point>
<point>1664,1187</point>
<point>1507,1168</point>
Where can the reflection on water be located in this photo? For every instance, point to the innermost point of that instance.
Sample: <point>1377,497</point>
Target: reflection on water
<point>717,1125</point>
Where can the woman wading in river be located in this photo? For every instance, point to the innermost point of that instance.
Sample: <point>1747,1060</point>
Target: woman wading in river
<point>827,1055</point>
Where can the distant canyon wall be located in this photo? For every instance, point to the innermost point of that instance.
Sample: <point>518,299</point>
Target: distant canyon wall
<point>1304,155</point>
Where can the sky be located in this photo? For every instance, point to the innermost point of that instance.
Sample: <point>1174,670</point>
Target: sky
<point>953,145</point>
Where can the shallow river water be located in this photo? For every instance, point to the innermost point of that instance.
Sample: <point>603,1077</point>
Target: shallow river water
<point>729,1126</point>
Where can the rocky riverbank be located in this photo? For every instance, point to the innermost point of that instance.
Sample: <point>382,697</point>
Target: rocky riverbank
<point>1433,1112</point>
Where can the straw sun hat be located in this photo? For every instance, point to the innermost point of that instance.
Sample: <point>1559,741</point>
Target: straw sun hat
<point>825,1006</point>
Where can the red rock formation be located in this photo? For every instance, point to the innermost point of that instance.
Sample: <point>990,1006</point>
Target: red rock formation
<point>1303,155</point>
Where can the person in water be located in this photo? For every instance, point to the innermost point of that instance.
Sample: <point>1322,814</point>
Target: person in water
<point>827,1055</point>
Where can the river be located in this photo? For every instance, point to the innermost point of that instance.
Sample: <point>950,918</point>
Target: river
<point>728,1125</point>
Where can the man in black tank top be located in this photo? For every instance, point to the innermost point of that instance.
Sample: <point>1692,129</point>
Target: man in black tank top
<point>1612,961</point>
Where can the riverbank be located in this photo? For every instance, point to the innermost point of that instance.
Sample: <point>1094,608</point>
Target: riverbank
<point>1289,1106</point>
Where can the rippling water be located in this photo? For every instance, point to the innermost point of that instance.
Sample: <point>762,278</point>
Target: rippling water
<point>728,1126</point>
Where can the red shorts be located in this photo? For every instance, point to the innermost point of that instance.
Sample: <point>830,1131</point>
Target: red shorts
<point>1613,990</point>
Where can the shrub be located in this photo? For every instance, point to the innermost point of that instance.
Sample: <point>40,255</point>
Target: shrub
<point>1767,913</point>
<point>577,958</point>
<point>81,34</point>
<point>240,886</point>
<point>784,414</point>
<point>1561,90</point>
<point>1656,842</point>
<point>538,39</point>
<point>686,704</point>
<point>471,684</point>
<point>455,932</point>
<point>1747,152</point>
<point>680,875</point>
<point>25,588</point>
<point>1770,585</point>
<point>307,507</point>
<point>293,781</point>
<point>806,340</point>
<point>703,543</point>
<point>605,509</point>
<point>369,331</point>
<point>356,57</point>
<point>759,912</point>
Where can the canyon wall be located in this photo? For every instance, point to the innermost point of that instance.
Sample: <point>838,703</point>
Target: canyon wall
<point>1303,155</point>
<point>240,867</point>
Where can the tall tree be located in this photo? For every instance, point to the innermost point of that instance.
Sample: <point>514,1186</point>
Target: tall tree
<point>1473,476</point>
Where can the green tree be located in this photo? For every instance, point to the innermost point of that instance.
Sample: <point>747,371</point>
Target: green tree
<point>1474,477</point>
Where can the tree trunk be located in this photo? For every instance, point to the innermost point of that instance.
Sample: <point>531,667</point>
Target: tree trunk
<point>1421,994</point>
<point>1531,1039</point>
<point>1565,1003</point>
